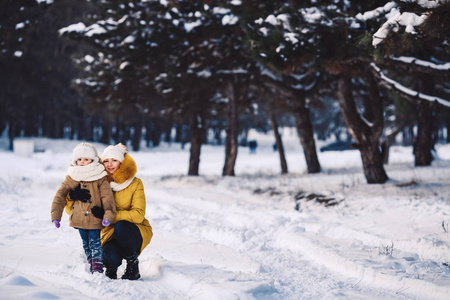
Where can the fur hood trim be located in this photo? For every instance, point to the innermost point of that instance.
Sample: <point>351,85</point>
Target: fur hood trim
<point>126,171</point>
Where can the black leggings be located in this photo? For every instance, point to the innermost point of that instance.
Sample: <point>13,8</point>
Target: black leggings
<point>127,242</point>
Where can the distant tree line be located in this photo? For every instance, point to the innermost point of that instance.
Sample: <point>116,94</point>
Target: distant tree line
<point>111,71</point>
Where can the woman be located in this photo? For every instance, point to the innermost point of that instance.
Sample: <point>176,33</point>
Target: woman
<point>130,232</point>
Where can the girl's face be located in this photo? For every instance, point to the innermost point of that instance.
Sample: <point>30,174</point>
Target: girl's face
<point>83,161</point>
<point>111,165</point>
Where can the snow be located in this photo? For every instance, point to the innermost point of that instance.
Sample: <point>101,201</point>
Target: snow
<point>407,19</point>
<point>20,25</point>
<point>191,25</point>
<point>291,37</point>
<point>312,14</point>
<point>44,1</point>
<point>94,29</point>
<point>423,63</point>
<point>395,18</point>
<point>229,20</point>
<point>240,237</point>
<point>78,27</point>
<point>427,3</point>
<point>376,12</point>
<point>129,39</point>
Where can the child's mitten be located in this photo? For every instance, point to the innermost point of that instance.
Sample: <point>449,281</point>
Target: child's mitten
<point>57,224</point>
<point>98,212</point>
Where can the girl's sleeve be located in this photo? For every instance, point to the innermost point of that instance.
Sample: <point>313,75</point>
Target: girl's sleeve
<point>136,213</point>
<point>59,201</point>
<point>107,198</point>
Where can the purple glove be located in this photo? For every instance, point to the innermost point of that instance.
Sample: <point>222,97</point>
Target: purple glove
<point>57,224</point>
<point>106,223</point>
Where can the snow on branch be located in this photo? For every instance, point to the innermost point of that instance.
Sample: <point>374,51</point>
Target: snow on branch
<point>427,4</point>
<point>78,27</point>
<point>409,91</point>
<point>397,19</point>
<point>422,63</point>
<point>98,28</point>
<point>376,12</point>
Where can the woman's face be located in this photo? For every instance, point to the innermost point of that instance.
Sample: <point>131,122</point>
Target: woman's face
<point>111,165</point>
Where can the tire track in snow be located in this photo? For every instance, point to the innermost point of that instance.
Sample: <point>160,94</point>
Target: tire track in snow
<point>252,227</point>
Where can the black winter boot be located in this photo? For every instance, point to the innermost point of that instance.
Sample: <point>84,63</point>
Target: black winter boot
<point>132,270</point>
<point>111,273</point>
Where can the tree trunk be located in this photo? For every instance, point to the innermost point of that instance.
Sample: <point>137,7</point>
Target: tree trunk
<point>106,131</point>
<point>11,134</point>
<point>218,138</point>
<point>156,133</point>
<point>137,136</point>
<point>447,124</point>
<point>126,135</point>
<point>197,132</point>
<point>231,143</point>
<point>178,133</point>
<point>56,127</point>
<point>196,144</point>
<point>168,132</point>
<point>31,124</point>
<point>278,141</point>
<point>84,125</point>
<point>424,135</point>
<point>148,132</point>
<point>88,127</point>
<point>366,136</point>
<point>303,123</point>
<point>306,133</point>
<point>390,138</point>
<point>425,143</point>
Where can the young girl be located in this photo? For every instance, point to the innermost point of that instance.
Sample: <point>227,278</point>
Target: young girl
<point>87,193</point>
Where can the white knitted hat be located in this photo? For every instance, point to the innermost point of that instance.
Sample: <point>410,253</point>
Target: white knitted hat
<point>116,152</point>
<point>84,150</point>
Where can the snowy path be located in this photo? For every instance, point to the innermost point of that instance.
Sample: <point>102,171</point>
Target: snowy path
<point>240,237</point>
<point>270,237</point>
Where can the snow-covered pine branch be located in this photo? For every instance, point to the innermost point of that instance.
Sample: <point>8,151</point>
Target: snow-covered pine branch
<point>427,3</point>
<point>407,91</point>
<point>48,2</point>
<point>422,63</point>
<point>396,19</point>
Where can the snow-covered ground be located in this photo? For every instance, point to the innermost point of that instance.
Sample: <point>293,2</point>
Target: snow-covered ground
<point>240,237</point>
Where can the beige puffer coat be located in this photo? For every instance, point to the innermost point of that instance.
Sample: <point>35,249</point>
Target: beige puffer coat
<point>80,212</point>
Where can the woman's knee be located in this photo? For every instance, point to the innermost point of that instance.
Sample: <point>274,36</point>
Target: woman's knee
<point>112,257</point>
<point>123,229</point>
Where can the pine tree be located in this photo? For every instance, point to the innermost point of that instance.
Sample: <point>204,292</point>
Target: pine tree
<point>411,47</point>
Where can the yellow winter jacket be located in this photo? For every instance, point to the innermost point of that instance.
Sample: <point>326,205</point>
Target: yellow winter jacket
<point>130,202</point>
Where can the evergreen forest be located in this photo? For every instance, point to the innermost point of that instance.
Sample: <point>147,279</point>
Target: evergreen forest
<point>142,72</point>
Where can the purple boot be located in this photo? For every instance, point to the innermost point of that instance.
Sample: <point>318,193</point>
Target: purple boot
<point>96,266</point>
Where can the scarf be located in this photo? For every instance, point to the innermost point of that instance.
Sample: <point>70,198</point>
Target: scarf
<point>120,186</point>
<point>91,172</point>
